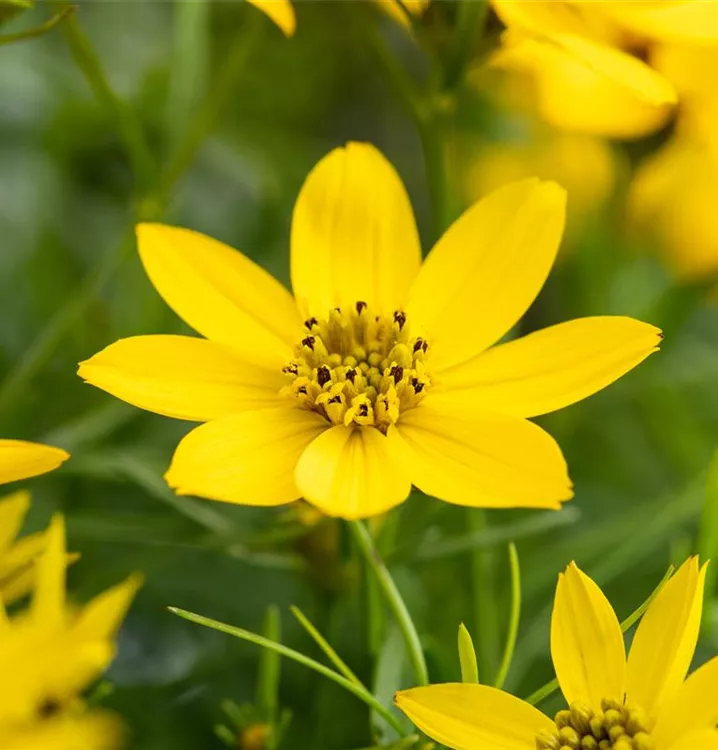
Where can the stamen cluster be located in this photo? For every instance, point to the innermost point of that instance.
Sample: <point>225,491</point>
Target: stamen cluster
<point>357,367</point>
<point>615,727</point>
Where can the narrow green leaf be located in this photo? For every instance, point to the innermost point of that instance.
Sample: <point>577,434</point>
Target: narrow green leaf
<point>360,692</point>
<point>11,8</point>
<point>707,545</point>
<point>467,656</point>
<point>326,647</point>
<point>269,669</point>
<point>514,617</point>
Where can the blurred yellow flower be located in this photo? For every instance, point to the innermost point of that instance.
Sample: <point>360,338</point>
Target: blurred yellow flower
<point>21,460</point>
<point>584,165</point>
<point>50,653</point>
<point>18,556</point>
<point>640,703</point>
<point>393,378</point>
<point>585,82</point>
<point>279,11</point>
<point>674,192</point>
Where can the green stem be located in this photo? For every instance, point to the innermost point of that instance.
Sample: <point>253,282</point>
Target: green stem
<point>470,22</point>
<point>221,92</point>
<point>43,28</point>
<point>551,687</point>
<point>128,126</point>
<point>360,692</point>
<point>707,544</point>
<point>270,670</point>
<point>513,618</point>
<point>394,600</point>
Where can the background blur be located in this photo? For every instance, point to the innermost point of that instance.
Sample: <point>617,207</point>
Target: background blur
<point>71,283</point>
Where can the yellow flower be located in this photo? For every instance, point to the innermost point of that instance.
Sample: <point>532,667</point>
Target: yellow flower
<point>21,460</point>
<point>50,653</point>
<point>18,556</point>
<point>584,81</point>
<point>640,703</point>
<point>279,11</point>
<point>392,378</point>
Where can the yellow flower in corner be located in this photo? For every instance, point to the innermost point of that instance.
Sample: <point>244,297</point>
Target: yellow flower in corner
<point>279,11</point>
<point>50,653</point>
<point>644,702</point>
<point>21,460</point>
<point>18,556</point>
<point>381,372</point>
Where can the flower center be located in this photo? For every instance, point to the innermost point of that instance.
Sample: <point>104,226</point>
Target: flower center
<point>357,367</point>
<point>615,727</point>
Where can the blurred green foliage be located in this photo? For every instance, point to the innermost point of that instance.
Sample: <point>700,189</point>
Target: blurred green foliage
<point>71,283</point>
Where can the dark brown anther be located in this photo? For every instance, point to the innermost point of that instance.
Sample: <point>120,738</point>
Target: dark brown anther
<point>360,306</point>
<point>400,318</point>
<point>335,400</point>
<point>397,372</point>
<point>302,389</point>
<point>324,375</point>
<point>310,322</point>
<point>48,708</point>
<point>292,369</point>
<point>363,410</point>
<point>309,342</point>
<point>338,309</point>
<point>351,374</point>
<point>418,387</point>
<point>420,344</point>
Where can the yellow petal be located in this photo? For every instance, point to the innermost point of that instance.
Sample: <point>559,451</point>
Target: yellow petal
<point>48,601</point>
<point>692,709</point>
<point>487,269</point>
<point>182,377</point>
<point>20,460</point>
<point>468,456</point>
<point>101,618</point>
<point>554,367</point>
<point>13,510</point>
<point>96,730</point>
<point>221,293</point>
<point>354,237</point>
<point>586,642</point>
<point>540,17</point>
<point>705,739</point>
<point>689,21</point>
<point>588,88</point>
<point>665,641</point>
<point>469,716</point>
<point>280,11</point>
<point>349,472</point>
<point>248,458</point>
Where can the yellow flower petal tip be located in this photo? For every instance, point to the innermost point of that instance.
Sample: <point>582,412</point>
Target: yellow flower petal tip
<point>21,460</point>
<point>281,12</point>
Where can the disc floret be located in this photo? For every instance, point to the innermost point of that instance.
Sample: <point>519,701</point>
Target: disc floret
<point>357,367</point>
<point>615,727</point>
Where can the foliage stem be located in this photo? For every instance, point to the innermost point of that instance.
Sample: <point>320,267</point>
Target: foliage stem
<point>41,29</point>
<point>394,600</point>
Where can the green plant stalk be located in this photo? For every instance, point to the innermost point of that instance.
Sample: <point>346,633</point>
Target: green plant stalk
<point>470,21</point>
<point>514,617</point>
<point>362,693</point>
<point>269,671</point>
<point>486,629</point>
<point>707,543</point>
<point>394,600</point>
<point>128,126</point>
<point>326,647</point>
<point>43,28</point>
<point>551,687</point>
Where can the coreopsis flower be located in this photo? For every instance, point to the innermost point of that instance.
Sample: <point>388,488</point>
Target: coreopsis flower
<point>644,702</point>
<point>18,555</point>
<point>578,54</point>
<point>22,460</point>
<point>381,371</point>
<point>50,653</point>
<point>279,11</point>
